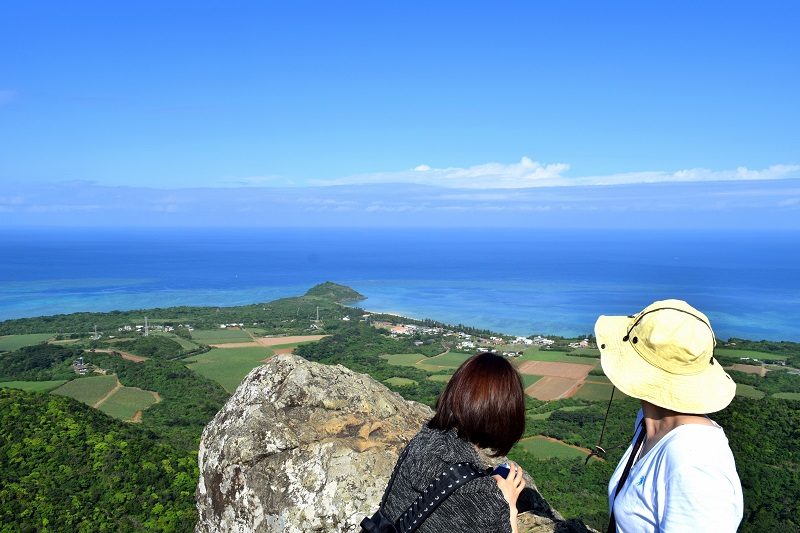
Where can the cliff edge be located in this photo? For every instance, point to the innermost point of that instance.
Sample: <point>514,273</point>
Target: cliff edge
<point>304,447</point>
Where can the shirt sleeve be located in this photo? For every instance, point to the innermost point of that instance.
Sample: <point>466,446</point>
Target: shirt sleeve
<point>699,498</point>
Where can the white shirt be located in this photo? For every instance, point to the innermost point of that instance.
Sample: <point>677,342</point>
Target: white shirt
<point>686,482</point>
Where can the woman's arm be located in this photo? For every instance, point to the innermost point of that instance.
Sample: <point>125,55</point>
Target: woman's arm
<point>511,486</point>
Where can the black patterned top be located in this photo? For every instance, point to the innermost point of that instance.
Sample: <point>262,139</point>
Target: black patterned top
<point>477,507</point>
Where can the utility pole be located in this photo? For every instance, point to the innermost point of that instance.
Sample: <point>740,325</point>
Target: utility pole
<point>146,328</point>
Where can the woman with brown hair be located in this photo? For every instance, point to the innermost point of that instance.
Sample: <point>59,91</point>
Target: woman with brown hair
<point>482,407</point>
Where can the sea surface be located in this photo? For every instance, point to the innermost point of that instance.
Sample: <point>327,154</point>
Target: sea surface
<point>513,281</point>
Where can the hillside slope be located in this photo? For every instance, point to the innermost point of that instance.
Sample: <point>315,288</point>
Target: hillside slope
<point>67,467</point>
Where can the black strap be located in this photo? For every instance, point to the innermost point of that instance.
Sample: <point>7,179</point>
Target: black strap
<point>434,494</point>
<point>637,445</point>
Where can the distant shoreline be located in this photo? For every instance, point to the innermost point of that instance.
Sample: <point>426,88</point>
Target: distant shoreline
<point>517,282</point>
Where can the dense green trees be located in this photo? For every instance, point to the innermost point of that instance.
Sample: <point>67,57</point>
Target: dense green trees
<point>151,346</point>
<point>787,349</point>
<point>335,293</point>
<point>39,363</point>
<point>67,467</point>
<point>774,381</point>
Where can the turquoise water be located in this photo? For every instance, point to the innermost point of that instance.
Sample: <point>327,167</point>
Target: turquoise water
<point>518,282</point>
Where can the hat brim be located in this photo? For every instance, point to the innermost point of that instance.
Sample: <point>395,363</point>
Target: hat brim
<point>708,391</point>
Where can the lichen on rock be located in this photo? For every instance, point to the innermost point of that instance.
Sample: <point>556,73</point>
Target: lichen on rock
<point>304,447</point>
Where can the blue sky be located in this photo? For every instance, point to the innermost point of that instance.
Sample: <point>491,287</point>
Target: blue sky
<point>357,105</point>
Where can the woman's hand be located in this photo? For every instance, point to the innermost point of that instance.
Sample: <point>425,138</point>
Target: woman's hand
<point>511,486</point>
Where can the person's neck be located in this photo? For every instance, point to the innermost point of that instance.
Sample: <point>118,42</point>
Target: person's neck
<point>658,422</point>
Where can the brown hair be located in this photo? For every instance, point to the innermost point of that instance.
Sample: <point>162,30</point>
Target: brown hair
<point>484,401</point>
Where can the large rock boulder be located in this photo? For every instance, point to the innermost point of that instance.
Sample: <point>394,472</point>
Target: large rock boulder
<point>304,447</point>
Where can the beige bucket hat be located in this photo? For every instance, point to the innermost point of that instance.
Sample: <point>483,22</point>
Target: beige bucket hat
<point>664,355</point>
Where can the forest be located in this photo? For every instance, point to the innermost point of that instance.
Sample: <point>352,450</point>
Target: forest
<point>68,467</point>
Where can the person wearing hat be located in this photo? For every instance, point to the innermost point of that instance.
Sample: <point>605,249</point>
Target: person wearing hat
<point>679,473</point>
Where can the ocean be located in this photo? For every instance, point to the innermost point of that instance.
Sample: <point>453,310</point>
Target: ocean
<point>512,281</point>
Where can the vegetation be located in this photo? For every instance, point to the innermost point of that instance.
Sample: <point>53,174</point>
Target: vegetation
<point>335,293</point>
<point>220,336</point>
<point>38,363</point>
<point>127,401</point>
<point>189,400</point>
<point>33,386</point>
<point>774,382</point>
<point>228,366</point>
<point>15,342</point>
<point>67,467</point>
<point>88,390</point>
<point>283,316</point>
<point>535,354</point>
<point>151,346</point>
<point>529,379</point>
<point>546,448</point>
<point>771,351</point>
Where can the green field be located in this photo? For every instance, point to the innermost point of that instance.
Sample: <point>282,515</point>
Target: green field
<point>186,344</point>
<point>124,403</point>
<point>451,361</point>
<point>220,336</point>
<point>597,392</point>
<point>33,386</point>
<point>228,366</point>
<point>9,343</point>
<point>529,379</point>
<point>543,448</point>
<point>786,395</point>
<point>748,391</point>
<point>535,354</point>
<point>441,378</point>
<point>403,359</point>
<point>88,390</point>
<point>400,382</point>
<point>732,352</point>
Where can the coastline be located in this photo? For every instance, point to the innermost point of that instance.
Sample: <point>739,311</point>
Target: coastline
<point>515,282</point>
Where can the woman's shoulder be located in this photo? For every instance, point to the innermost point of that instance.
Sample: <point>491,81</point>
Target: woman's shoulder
<point>433,451</point>
<point>444,445</point>
<point>696,445</point>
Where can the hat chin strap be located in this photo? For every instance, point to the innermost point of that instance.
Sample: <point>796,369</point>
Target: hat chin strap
<point>599,451</point>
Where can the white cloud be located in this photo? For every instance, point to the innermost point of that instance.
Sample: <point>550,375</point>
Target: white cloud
<point>528,173</point>
<point>691,175</point>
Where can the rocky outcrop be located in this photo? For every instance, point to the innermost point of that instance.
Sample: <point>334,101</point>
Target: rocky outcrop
<point>305,447</point>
